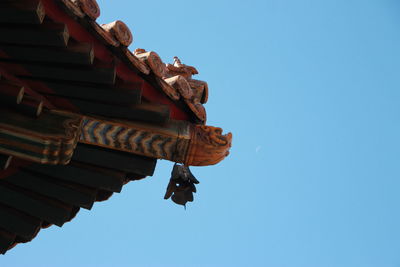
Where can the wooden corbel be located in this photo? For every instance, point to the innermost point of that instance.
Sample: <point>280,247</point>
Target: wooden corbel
<point>177,141</point>
<point>49,139</point>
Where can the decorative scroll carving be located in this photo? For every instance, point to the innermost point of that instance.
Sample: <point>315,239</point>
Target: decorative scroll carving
<point>178,141</point>
<point>120,31</point>
<point>89,7</point>
<point>49,139</point>
<point>208,146</point>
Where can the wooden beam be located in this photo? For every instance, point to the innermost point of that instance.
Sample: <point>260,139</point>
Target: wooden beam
<point>75,53</point>
<point>33,204</point>
<point>6,240</point>
<point>152,113</point>
<point>94,74</point>
<point>30,106</point>
<point>18,222</point>
<point>82,175</point>
<point>48,34</point>
<point>11,94</point>
<point>21,12</point>
<point>46,187</point>
<point>118,160</point>
<point>49,139</point>
<point>106,95</point>
<point>177,141</point>
<point>5,161</point>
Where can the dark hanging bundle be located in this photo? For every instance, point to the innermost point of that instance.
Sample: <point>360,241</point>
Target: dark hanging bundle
<point>181,185</point>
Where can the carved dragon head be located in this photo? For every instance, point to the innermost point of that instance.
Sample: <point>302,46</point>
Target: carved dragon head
<point>208,146</point>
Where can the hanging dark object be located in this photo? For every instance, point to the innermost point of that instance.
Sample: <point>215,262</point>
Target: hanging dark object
<point>181,185</point>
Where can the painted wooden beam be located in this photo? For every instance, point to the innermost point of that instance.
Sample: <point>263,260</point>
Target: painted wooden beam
<point>49,34</point>
<point>6,240</point>
<point>18,222</point>
<point>21,12</point>
<point>10,94</point>
<point>35,205</point>
<point>82,174</point>
<point>101,94</point>
<point>75,53</point>
<point>177,141</point>
<point>5,161</point>
<point>95,74</point>
<point>117,160</point>
<point>30,106</point>
<point>152,113</point>
<point>46,187</point>
<point>49,139</point>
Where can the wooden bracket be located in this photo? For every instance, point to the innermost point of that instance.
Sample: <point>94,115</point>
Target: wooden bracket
<point>177,141</point>
<point>49,139</point>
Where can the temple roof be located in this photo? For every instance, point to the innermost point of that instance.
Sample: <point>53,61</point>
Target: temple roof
<point>82,115</point>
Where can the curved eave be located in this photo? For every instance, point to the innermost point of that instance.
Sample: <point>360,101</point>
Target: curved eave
<point>82,31</point>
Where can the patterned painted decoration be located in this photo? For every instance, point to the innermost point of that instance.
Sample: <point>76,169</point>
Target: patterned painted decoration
<point>169,143</point>
<point>49,139</point>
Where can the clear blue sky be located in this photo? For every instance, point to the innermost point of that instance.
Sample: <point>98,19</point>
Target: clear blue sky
<point>311,91</point>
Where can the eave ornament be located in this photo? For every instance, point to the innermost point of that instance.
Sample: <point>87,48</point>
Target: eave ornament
<point>179,141</point>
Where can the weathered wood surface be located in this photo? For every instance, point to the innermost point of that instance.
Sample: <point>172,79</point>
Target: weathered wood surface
<point>21,12</point>
<point>10,94</point>
<point>49,139</point>
<point>20,223</point>
<point>125,95</point>
<point>9,78</point>
<point>75,53</point>
<point>81,174</point>
<point>48,34</point>
<point>46,187</point>
<point>30,106</point>
<point>5,161</point>
<point>35,205</point>
<point>6,240</point>
<point>112,159</point>
<point>153,113</point>
<point>94,74</point>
